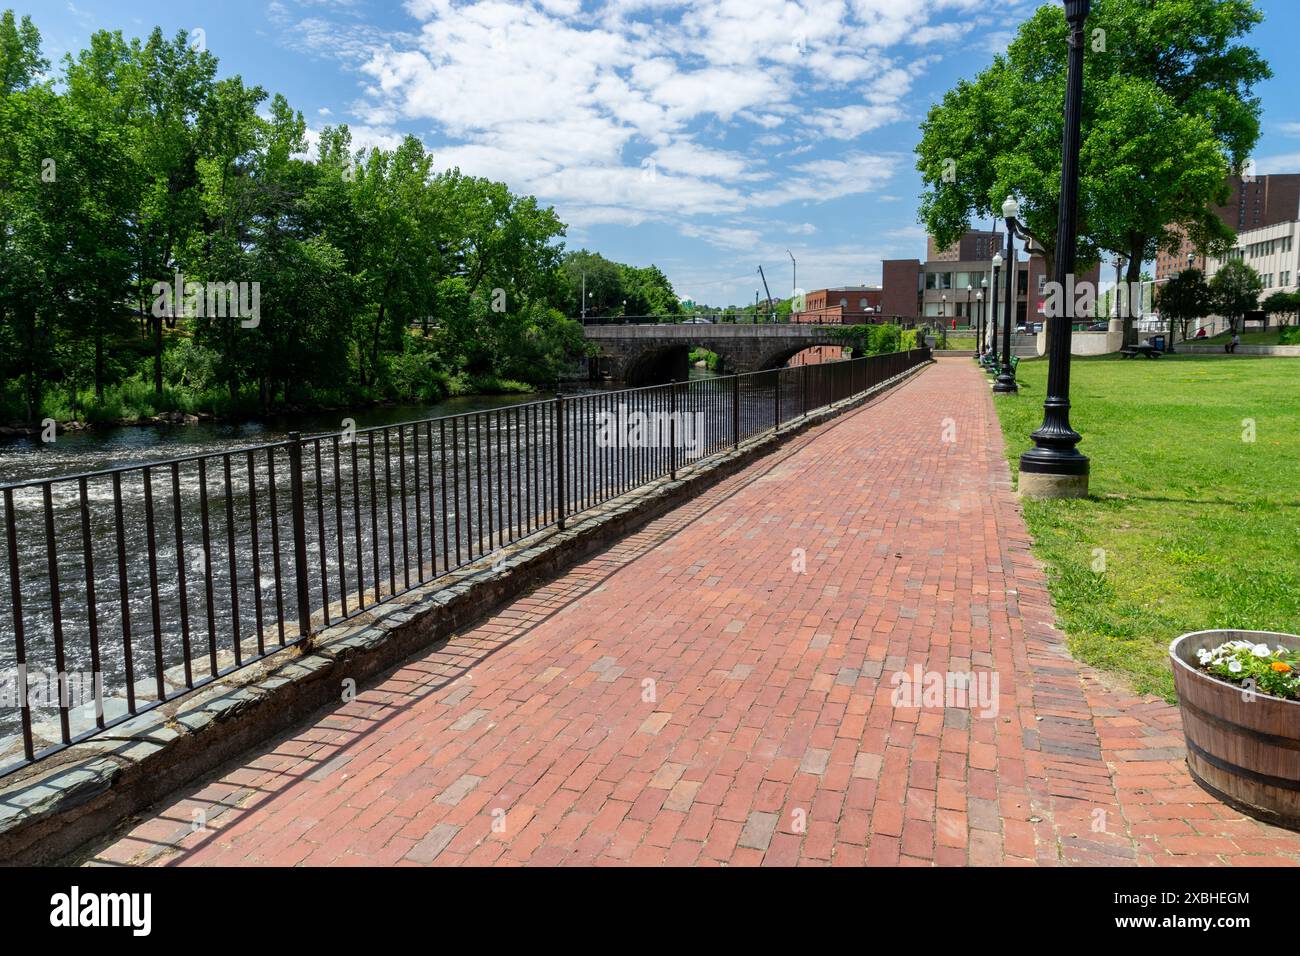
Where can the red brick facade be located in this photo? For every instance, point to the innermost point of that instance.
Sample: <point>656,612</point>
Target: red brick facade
<point>1263,201</point>
<point>849,305</point>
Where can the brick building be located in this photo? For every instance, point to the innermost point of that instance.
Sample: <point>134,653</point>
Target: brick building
<point>847,305</point>
<point>955,284</point>
<point>1256,203</point>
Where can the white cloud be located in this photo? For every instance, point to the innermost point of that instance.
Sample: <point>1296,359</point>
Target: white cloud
<point>1285,163</point>
<point>700,116</point>
<point>546,92</point>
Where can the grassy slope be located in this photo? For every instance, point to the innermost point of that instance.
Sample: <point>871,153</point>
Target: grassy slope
<point>1200,529</point>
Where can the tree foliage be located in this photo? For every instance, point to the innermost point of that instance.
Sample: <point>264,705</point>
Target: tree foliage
<point>1185,298</point>
<point>614,289</point>
<point>379,274</point>
<point>1168,113</point>
<point>1283,304</point>
<point>1235,290</point>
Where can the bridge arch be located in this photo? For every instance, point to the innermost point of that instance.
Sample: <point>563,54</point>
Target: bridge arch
<point>657,364</point>
<point>649,355</point>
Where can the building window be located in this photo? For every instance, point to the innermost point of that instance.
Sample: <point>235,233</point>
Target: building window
<point>862,304</point>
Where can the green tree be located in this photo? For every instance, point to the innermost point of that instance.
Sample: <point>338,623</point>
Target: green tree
<point>21,62</point>
<point>1282,303</point>
<point>139,163</point>
<point>602,280</point>
<point>1183,299</point>
<point>1235,291</point>
<point>1168,113</point>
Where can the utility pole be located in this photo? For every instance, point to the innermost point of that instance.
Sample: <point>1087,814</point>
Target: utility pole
<point>584,298</point>
<point>771,313</point>
<point>794,276</point>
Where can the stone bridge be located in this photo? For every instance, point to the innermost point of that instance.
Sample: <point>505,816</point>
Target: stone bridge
<point>653,354</point>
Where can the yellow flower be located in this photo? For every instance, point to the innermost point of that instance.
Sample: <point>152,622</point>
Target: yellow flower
<point>1281,666</point>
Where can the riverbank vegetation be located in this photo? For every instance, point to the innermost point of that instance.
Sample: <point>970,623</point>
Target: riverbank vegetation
<point>875,339</point>
<point>173,240</point>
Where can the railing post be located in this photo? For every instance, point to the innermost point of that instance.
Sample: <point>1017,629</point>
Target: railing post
<point>299,534</point>
<point>560,493</point>
<point>776,401</point>
<point>803,387</point>
<point>672,430</point>
<point>735,410</point>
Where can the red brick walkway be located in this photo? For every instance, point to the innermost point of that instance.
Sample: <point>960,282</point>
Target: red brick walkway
<point>718,688</point>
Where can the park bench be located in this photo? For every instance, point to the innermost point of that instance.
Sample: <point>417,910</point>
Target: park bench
<point>993,366</point>
<point>1132,351</point>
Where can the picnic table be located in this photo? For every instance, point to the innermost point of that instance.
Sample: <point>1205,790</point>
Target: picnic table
<point>1147,351</point>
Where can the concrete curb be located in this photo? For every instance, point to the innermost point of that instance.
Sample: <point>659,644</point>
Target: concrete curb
<point>52,809</point>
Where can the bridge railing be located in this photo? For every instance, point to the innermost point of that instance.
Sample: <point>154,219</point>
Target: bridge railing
<point>723,318</point>
<point>132,586</point>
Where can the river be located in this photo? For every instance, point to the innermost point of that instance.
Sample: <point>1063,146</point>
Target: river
<point>192,560</point>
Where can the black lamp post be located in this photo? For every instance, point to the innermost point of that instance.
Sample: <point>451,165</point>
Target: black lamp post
<point>979,322</point>
<point>993,310</point>
<point>984,293</point>
<point>1054,467</point>
<point>1006,380</point>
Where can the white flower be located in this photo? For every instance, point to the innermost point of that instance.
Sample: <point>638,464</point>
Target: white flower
<point>1234,666</point>
<point>1261,650</point>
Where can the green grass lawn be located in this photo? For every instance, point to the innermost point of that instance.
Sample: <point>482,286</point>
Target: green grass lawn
<point>1267,337</point>
<point>956,340</point>
<point>1199,528</point>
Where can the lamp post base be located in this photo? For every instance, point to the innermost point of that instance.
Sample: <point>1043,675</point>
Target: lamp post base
<point>1005,383</point>
<point>1038,484</point>
<point>1053,472</point>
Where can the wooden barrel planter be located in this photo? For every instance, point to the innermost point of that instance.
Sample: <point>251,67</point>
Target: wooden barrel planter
<point>1243,750</point>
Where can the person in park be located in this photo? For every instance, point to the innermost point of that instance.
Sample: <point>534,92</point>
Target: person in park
<point>1200,333</point>
<point>1231,347</point>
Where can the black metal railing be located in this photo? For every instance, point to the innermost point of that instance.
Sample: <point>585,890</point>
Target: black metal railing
<point>134,585</point>
<point>743,318</point>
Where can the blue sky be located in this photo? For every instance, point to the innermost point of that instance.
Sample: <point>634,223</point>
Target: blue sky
<point>706,138</point>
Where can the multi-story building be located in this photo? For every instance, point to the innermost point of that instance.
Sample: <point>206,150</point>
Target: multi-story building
<point>954,285</point>
<point>1256,202</point>
<point>847,305</point>
<point>1273,251</point>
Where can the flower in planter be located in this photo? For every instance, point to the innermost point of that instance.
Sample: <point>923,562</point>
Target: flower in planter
<point>1272,671</point>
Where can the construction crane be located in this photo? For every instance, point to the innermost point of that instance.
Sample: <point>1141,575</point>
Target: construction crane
<point>771,312</point>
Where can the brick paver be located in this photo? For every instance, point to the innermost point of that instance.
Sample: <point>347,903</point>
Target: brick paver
<point>719,688</point>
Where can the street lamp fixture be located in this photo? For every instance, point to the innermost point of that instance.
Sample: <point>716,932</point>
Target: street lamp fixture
<point>1054,467</point>
<point>983,315</point>
<point>1006,380</point>
<point>993,311</point>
